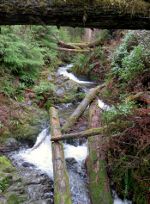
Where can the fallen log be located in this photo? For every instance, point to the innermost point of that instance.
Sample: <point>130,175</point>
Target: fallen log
<point>62,193</point>
<point>142,96</point>
<point>87,133</point>
<point>72,50</point>
<point>110,14</point>
<point>93,44</point>
<point>66,45</point>
<point>96,162</point>
<point>81,108</point>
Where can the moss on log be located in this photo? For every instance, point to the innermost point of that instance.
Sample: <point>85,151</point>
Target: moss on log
<point>96,164</point>
<point>61,181</point>
<point>81,108</point>
<point>134,14</point>
<point>87,133</point>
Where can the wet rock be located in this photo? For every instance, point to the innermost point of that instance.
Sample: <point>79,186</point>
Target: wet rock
<point>11,185</point>
<point>31,123</point>
<point>60,92</point>
<point>26,164</point>
<point>12,143</point>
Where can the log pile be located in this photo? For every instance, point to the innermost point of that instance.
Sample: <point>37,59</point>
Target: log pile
<point>96,162</point>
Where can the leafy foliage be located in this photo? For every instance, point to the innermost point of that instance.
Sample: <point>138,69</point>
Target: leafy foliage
<point>44,88</point>
<point>129,59</point>
<point>19,53</point>
<point>123,109</point>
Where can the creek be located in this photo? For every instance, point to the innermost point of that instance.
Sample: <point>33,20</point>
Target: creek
<point>36,168</point>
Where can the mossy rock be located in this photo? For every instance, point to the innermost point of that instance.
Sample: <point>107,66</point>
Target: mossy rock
<point>29,124</point>
<point>9,182</point>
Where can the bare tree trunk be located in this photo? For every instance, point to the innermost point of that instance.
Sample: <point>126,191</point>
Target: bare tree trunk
<point>96,163</point>
<point>81,108</point>
<point>61,181</point>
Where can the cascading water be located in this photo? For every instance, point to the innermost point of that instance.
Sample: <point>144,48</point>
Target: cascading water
<point>64,71</point>
<point>40,155</point>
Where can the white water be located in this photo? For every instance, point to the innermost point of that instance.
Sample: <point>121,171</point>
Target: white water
<point>64,71</point>
<point>102,105</point>
<point>41,156</point>
<point>117,200</point>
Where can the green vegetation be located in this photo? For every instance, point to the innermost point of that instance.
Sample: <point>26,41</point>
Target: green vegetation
<point>120,111</point>
<point>5,165</point>
<point>128,61</point>
<point>128,153</point>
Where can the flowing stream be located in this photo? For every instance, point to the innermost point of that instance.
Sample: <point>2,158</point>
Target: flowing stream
<point>40,156</point>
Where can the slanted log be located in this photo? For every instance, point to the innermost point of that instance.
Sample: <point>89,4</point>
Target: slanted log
<point>62,193</point>
<point>81,108</point>
<point>96,163</point>
<point>108,14</point>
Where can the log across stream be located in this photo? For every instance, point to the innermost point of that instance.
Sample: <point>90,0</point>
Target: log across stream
<point>75,155</point>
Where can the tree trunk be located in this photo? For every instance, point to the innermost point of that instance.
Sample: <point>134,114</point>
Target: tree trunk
<point>81,108</point>
<point>81,13</point>
<point>61,181</point>
<point>96,163</point>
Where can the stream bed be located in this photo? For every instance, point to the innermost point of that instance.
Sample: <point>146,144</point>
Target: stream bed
<point>36,168</point>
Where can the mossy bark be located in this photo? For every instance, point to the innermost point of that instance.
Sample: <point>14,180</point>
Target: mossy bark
<point>87,133</point>
<point>81,108</point>
<point>93,13</point>
<point>96,163</point>
<point>62,193</point>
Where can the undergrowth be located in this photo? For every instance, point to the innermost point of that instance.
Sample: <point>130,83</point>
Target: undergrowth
<point>128,156</point>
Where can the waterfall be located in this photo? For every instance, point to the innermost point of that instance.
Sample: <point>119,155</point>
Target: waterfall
<point>40,154</point>
<point>64,71</point>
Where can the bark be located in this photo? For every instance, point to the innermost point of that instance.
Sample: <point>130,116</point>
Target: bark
<point>61,181</point>
<point>96,163</point>
<point>87,133</point>
<point>81,13</point>
<point>81,108</point>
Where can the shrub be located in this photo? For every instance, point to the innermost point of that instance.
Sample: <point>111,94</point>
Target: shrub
<point>133,64</point>
<point>18,53</point>
<point>115,112</point>
<point>44,88</point>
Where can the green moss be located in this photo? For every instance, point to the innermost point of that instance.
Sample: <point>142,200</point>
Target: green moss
<point>133,6</point>
<point>15,199</point>
<point>4,162</point>
<point>98,179</point>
